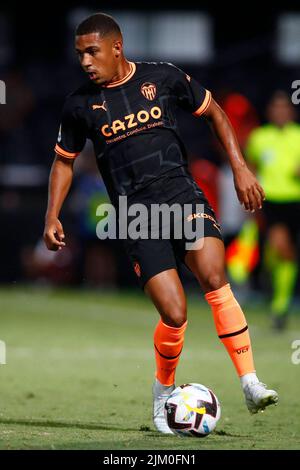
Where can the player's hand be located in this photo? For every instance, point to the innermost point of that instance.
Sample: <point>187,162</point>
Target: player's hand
<point>54,234</point>
<point>250,193</point>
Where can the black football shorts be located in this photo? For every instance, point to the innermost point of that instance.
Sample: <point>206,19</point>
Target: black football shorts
<point>153,255</point>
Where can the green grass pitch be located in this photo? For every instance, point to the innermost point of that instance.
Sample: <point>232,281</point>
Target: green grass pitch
<point>80,367</point>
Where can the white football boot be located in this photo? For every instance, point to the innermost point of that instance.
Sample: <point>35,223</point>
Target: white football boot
<point>258,397</point>
<point>160,395</point>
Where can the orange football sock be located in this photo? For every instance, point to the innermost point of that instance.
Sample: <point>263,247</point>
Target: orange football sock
<point>232,328</point>
<point>168,344</point>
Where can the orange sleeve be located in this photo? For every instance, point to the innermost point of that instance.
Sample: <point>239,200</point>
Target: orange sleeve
<point>64,153</point>
<point>204,105</point>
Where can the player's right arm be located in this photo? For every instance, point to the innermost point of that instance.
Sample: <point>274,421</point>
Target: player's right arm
<point>192,97</point>
<point>70,142</point>
<point>60,180</point>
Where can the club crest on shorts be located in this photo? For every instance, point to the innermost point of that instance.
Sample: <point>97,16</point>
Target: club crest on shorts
<point>137,269</point>
<point>148,90</point>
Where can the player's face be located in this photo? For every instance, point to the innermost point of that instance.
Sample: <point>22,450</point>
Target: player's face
<point>281,111</point>
<point>98,56</point>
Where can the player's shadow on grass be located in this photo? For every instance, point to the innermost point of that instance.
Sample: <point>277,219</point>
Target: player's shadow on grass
<point>66,424</point>
<point>100,427</point>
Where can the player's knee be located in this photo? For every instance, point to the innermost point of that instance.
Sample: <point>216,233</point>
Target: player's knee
<point>177,321</point>
<point>214,281</point>
<point>175,312</point>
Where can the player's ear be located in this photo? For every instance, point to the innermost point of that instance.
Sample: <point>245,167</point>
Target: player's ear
<point>117,47</point>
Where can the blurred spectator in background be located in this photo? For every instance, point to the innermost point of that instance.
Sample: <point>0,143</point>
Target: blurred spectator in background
<point>241,231</point>
<point>274,151</point>
<point>242,114</point>
<point>206,175</point>
<point>98,264</point>
<point>16,142</point>
<point>43,267</point>
<point>243,117</point>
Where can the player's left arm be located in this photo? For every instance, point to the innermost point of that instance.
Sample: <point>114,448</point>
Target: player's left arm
<point>249,191</point>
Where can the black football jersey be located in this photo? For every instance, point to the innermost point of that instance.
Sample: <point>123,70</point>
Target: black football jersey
<point>132,124</point>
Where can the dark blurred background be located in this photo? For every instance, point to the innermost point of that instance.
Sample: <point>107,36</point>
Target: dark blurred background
<point>241,54</point>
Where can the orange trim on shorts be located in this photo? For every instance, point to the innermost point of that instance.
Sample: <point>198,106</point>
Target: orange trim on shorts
<point>64,153</point>
<point>125,79</point>
<point>204,105</point>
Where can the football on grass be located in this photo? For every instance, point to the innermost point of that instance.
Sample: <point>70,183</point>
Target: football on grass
<point>192,410</point>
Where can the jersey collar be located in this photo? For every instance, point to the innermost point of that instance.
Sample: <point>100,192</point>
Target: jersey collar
<point>125,79</point>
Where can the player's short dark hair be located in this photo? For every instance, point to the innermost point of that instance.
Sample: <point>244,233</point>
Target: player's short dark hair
<point>98,23</point>
<point>277,95</point>
<point>280,95</point>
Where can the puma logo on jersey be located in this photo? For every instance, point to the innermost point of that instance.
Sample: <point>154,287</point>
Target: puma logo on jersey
<point>100,106</point>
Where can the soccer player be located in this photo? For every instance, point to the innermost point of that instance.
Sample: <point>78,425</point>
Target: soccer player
<point>128,111</point>
<point>273,149</point>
